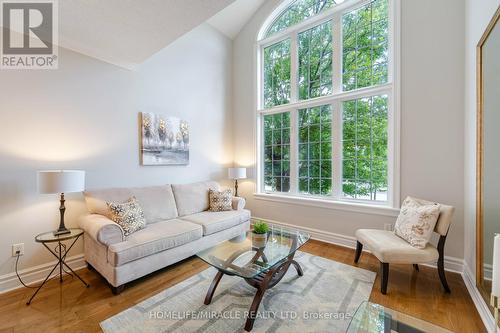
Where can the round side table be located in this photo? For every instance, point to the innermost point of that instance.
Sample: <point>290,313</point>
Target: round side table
<point>60,251</point>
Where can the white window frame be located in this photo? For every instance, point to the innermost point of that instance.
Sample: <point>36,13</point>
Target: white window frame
<point>391,89</point>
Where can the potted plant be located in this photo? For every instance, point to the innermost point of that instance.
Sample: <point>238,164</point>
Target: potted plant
<point>259,234</point>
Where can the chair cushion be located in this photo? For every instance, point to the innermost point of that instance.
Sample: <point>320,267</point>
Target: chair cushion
<point>193,198</point>
<point>213,222</point>
<point>389,248</point>
<point>157,202</point>
<point>154,238</point>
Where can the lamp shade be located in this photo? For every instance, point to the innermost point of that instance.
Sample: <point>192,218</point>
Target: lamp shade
<point>237,173</point>
<point>61,181</point>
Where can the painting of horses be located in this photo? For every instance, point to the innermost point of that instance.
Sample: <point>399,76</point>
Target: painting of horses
<point>164,140</point>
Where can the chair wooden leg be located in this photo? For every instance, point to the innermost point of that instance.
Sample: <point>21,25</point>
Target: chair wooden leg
<point>440,264</point>
<point>416,267</point>
<point>442,275</point>
<point>384,268</point>
<point>359,249</point>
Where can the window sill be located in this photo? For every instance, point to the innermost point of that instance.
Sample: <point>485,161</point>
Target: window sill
<point>355,207</point>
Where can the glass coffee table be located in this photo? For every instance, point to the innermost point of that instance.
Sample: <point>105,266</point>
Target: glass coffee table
<point>261,264</point>
<point>375,318</point>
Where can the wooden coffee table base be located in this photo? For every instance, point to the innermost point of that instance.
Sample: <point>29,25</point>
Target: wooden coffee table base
<point>261,282</point>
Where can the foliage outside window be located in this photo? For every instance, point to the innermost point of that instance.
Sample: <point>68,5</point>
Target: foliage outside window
<point>315,62</point>
<point>299,11</point>
<point>320,142</point>
<point>277,152</point>
<point>364,132</point>
<point>365,46</point>
<point>315,150</point>
<point>277,74</point>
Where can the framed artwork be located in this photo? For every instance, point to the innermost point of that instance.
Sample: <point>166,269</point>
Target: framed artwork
<point>164,140</point>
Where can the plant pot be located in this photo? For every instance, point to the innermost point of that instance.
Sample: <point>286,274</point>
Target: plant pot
<point>259,240</point>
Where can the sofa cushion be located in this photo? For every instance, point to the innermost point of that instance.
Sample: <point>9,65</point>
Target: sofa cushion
<point>389,248</point>
<point>213,222</point>
<point>154,238</point>
<point>193,198</point>
<point>157,202</point>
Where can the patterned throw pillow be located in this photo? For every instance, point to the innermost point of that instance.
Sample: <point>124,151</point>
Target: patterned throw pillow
<point>128,215</point>
<point>220,200</point>
<point>416,221</point>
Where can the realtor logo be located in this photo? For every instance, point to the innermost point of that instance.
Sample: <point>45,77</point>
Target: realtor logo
<point>29,34</point>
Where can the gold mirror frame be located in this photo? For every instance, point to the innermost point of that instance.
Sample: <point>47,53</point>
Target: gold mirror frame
<point>480,158</point>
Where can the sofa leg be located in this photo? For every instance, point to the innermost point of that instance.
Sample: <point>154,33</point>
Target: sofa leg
<point>117,290</point>
<point>90,267</point>
<point>359,249</point>
<point>384,268</point>
<point>416,267</point>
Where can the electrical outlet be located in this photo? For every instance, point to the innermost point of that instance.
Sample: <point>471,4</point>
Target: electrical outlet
<point>388,227</point>
<point>17,247</point>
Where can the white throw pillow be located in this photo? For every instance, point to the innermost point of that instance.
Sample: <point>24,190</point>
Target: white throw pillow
<point>416,221</point>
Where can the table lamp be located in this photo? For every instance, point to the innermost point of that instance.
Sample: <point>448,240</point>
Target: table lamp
<point>236,173</point>
<point>495,283</point>
<point>61,181</point>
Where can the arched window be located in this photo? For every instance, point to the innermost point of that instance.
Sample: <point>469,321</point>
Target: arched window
<point>299,11</point>
<point>326,105</point>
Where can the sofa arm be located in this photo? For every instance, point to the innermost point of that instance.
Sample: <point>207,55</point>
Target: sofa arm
<point>238,203</point>
<point>102,229</point>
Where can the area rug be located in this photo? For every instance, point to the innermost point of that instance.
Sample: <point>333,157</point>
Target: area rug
<point>323,300</point>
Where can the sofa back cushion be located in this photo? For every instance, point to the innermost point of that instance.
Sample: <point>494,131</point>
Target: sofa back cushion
<point>157,202</point>
<point>193,198</point>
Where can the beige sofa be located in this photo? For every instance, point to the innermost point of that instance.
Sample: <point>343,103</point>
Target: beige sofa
<point>178,226</point>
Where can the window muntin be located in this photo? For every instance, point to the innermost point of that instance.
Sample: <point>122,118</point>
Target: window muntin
<point>297,12</point>
<point>315,61</point>
<point>277,152</point>
<point>356,166</point>
<point>315,150</point>
<point>277,74</point>
<point>365,46</point>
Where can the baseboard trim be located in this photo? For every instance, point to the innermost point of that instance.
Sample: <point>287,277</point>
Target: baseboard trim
<point>481,306</point>
<point>9,282</point>
<point>451,264</point>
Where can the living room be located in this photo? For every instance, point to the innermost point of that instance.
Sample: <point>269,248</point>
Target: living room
<point>249,165</point>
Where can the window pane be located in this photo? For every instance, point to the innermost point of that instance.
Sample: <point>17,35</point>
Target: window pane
<point>297,12</point>
<point>277,74</point>
<point>315,61</point>
<point>364,132</point>
<point>315,150</point>
<point>277,152</point>
<point>365,46</point>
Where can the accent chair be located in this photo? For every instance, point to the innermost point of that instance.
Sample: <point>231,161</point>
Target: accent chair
<point>391,249</point>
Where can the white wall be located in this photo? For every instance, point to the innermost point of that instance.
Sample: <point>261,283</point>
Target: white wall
<point>478,15</point>
<point>432,119</point>
<point>85,116</point>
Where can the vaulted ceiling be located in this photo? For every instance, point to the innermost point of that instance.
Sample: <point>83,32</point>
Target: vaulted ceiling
<point>233,18</point>
<point>127,32</point>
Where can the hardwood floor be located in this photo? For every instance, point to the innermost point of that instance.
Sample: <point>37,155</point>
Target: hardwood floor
<point>71,307</point>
